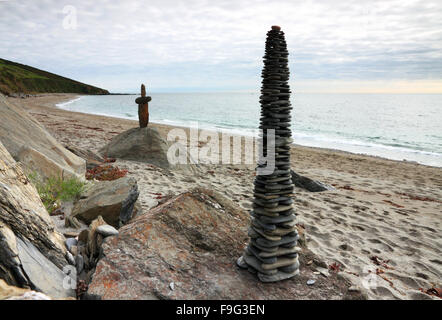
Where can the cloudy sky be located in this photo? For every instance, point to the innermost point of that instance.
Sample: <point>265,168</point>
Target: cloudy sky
<point>197,45</point>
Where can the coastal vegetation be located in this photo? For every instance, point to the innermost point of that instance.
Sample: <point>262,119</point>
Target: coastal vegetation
<point>54,190</point>
<point>16,78</point>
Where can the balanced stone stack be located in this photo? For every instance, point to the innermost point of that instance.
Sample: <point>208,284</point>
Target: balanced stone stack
<point>272,251</point>
<point>143,108</point>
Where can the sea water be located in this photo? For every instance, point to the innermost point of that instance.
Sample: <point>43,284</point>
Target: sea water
<point>393,126</point>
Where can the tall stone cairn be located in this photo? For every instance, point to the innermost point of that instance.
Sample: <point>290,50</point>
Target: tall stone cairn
<point>272,251</point>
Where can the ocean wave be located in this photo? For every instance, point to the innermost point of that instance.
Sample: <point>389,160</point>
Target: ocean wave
<point>62,105</point>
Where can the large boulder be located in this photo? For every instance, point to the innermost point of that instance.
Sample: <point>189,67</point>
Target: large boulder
<point>32,252</point>
<point>113,200</point>
<point>146,145</point>
<point>186,248</point>
<point>29,142</point>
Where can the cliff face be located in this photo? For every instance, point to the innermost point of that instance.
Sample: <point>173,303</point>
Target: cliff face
<point>19,78</point>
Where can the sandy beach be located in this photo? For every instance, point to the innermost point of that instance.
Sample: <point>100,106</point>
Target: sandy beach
<point>381,224</point>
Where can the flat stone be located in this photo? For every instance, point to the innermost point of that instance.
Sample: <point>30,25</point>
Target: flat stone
<point>279,209</point>
<point>251,250</point>
<point>290,268</point>
<point>285,240</point>
<point>278,276</point>
<point>280,252</point>
<point>266,204</point>
<point>42,273</point>
<point>107,230</point>
<point>281,262</point>
<point>253,262</point>
<point>265,249</point>
<point>264,226</point>
<point>281,231</point>
<point>241,263</point>
<point>266,236</point>
<point>70,234</point>
<point>278,219</point>
<point>262,211</point>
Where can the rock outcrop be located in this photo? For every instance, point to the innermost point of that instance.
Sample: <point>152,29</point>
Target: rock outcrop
<point>186,248</point>
<point>32,252</point>
<point>146,145</point>
<point>309,184</point>
<point>28,142</point>
<point>113,200</point>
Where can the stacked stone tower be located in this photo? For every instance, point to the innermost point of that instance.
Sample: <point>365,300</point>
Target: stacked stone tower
<point>143,107</point>
<point>272,251</point>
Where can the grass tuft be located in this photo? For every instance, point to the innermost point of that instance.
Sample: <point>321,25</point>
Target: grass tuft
<point>54,190</point>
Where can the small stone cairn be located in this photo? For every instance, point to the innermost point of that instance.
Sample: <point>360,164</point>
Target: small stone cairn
<point>143,107</point>
<point>272,251</point>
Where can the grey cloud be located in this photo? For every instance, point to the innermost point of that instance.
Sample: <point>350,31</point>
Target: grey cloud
<point>206,43</point>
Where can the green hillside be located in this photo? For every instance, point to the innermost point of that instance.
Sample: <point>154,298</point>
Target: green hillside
<point>19,78</point>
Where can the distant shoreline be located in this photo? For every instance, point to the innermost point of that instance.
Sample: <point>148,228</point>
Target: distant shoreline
<point>393,154</point>
<point>66,98</point>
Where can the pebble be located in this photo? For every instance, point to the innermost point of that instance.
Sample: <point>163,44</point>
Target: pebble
<point>106,230</point>
<point>311,282</point>
<point>172,286</point>
<point>70,258</point>
<point>70,242</point>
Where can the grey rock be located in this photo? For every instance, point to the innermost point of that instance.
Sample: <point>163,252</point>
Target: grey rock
<point>107,230</point>
<point>112,200</point>
<point>311,282</point>
<point>241,263</point>
<point>147,145</point>
<point>279,276</point>
<point>43,275</point>
<point>309,184</point>
<point>127,207</point>
<point>69,242</point>
<point>29,142</point>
